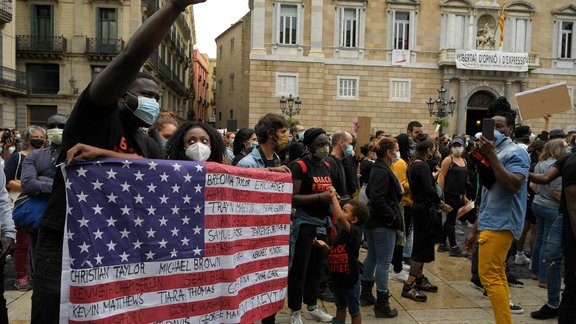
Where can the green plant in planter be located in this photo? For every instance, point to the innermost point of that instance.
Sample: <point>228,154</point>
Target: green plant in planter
<point>292,121</point>
<point>442,122</point>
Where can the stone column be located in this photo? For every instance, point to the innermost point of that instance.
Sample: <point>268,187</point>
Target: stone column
<point>316,28</point>
<point>461,121</point>
<point>258,26</point>
<point>508,90</point>
<point>523,86</point>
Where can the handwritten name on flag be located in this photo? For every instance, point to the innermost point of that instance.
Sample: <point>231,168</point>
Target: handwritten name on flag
<point>174,242</point>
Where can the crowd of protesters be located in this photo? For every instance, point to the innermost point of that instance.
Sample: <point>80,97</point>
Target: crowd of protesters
<point>400,197</point>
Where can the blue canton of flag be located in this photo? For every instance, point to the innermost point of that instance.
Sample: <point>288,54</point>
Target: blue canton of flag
<point>133,213</point>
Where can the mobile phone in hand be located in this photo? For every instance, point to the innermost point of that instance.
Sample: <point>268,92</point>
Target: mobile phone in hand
<point>488,128</point>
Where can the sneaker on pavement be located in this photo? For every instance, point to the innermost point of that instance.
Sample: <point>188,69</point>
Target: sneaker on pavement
<point>442,248</point>
<point>406,267</point>
<point>457,252</point>
<point>400,276</point>
<point>475,283</point>
<point>23,284</point>
<point>513,282</point>
<point>515,309</point>
<point>545,312</point>
<point>296,318</point>
<point>318,315</point>
<point>521,259</point>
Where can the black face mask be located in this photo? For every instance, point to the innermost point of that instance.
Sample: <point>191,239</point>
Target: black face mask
<point>36,143</point>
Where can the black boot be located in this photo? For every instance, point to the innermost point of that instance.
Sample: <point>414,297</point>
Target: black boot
<point>366,296</point>
<point>382,308</point>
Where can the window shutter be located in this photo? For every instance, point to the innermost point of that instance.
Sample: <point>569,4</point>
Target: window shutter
<point>34,24</point>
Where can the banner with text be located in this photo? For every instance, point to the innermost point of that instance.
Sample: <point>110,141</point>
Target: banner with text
<point>174,242</point>
<point>491,60</point>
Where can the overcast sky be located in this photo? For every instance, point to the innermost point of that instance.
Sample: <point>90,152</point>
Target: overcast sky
<point>212,18</point>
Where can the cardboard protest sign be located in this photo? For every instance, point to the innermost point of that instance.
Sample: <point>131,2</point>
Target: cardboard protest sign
<point>535,103</point>
<point>178,241</point>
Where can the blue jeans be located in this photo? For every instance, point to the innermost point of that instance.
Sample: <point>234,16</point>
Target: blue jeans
<point>553,261</point>
<point>544,218</point>
<point>348,298</point>
<point>381,243</point>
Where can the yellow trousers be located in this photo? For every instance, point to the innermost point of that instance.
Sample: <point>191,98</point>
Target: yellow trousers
<point>493,248</point>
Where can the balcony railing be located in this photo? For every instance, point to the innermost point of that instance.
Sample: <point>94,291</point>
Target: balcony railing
<point>13,81</point>
<point>5,11</point>
<point>41,44</point>
<point>104,46</point>
<point>167,75</point>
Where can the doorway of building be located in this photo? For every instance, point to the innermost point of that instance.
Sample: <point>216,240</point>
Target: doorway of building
<point>476,110</point>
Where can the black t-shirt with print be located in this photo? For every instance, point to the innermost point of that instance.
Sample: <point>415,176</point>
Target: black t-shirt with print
<point>100,127</point>
<point>567,167</point>
<point>343,258</point>
<point>315,180</point>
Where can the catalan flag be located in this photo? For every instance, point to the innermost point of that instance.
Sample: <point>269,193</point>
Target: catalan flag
<point>501,25</point>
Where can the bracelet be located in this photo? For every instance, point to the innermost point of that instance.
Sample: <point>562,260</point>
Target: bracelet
<point>177,5</point>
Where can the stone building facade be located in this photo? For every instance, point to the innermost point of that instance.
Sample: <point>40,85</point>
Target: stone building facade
<point>61,45</point>
<point>385,59</point>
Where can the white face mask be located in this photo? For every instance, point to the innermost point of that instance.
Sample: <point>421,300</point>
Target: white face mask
<point>55,135</point>
<point>457,151</point>
<point>198,152</point>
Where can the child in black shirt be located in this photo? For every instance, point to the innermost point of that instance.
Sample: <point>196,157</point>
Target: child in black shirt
<point>343,257</point>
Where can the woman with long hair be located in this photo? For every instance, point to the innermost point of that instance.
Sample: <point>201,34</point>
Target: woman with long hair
<point>244,142</point>
<point>426,201</point>
<point>196,141</point>
<point>384,192</point>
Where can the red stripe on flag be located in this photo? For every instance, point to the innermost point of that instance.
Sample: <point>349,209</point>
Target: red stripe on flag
<point>111,290</point>
<point>235,220</point>
<point>198,308</point>
<point>258,174</point>
<point>228,248</point>
<point>262,312</point>
<point>238,195</point>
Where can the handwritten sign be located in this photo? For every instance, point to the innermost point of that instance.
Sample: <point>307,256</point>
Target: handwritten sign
<point>177,241</point>
<point>491,60</point>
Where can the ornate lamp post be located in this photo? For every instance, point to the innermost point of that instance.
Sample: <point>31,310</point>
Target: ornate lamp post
<point>443,108</point>
<point>290,106</point>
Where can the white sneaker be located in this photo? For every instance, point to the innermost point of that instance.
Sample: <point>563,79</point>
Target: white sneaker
<point>515,309</point>
<point>318,315</point>
<point>401,276</point>
<point>521,259</point>
<point>295,317</point>
<point>406,267</point>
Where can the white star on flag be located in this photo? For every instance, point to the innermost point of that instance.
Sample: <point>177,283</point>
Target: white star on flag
<point>70,235</point>
<point>97,210</point>
<point>112,197</point>
<point>150,255</point>
<point>83,222</point>
<point>126,164</point>
<point>138,221</point>
<point>125,186</point>
<point>175,210</point>
<point>124,257</point>
<point>175,231</point>
<point>151,187</point>
<point>111,221</point>
<point>82,172</point>
<point>163,221</point>
<point>175,188</point>
<point>125,210</point>
<point>185,220</point>
<point>98,259</point>
<point>163,199</point>
<point>197,251</point>
<point>176,167</point>
<point>150,232</point>
<point>84,247</point>
<point>97,185</point>
<point>163,243</point>
<point>125,233</point>
<point>173,253</point>
<point>139,175</point>
<point>185,241</point>
<point>164,177</point>
<point>68,184</point>
<point>197,230</point>
<point>152,165</point>
<point>111,246</point>
<point>187,178</point>
<point>98,234</point>
<point>138,199</point>
<point>111,174</point>
<point>198,188</point>
<point>186,199</point>
<point>199,168</point>
<point>82,197</point>
<point>197,209</point>
<point>137,244</point>
<point>151,210</point>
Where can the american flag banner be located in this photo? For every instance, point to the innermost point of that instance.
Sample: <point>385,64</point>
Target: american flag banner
<point>156,241</point>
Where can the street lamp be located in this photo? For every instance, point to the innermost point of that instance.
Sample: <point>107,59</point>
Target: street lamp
<point>443,108</point>
<point>290,106</point>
